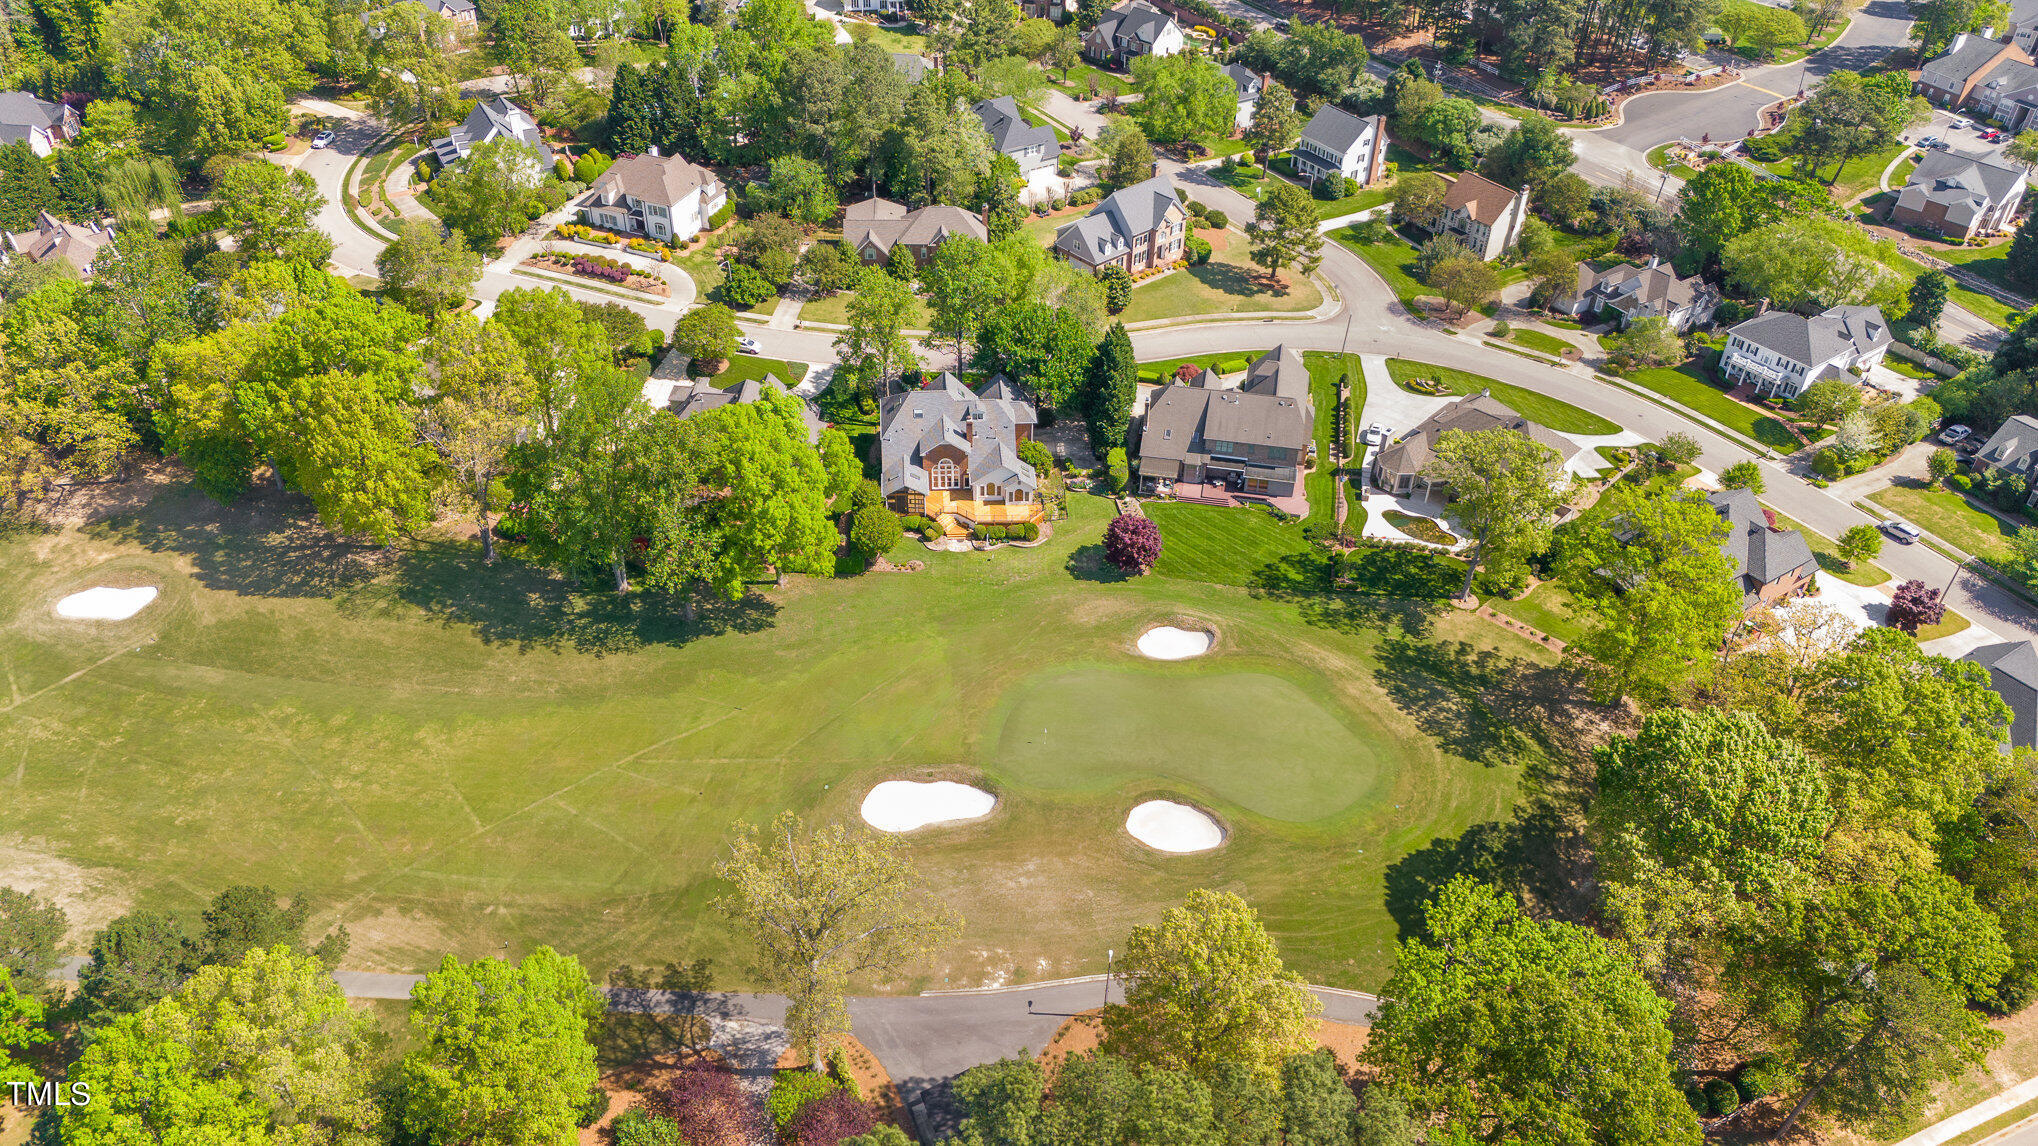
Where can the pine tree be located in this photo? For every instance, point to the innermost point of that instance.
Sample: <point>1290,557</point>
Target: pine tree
<point>1109,391</point>
<point>2022,262</point>
<point>25,186</point>
<point>629,120</point>
<point>76,185</point>
<point>1928,298</point>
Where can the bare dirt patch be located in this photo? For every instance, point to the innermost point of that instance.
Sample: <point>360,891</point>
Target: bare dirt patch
<point>91,898</point>
<point>1082,1033</point>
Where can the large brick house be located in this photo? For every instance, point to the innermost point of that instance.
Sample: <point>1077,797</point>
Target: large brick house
<point>1252,439</point>
<point>1138,227</point>
<point>949,454</point>
<point>1959,195</point>
<point>1770,564</point>
<point>873,227</point>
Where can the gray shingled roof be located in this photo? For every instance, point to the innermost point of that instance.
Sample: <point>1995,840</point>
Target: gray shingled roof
<point>1247,81</point>
<point>662,179</point>
<point>1135,21</point>
<point>883,224</point>
<point>23,109</point>
<point>1813,340</point>
<point>912,65</point>
<point>1009,130</point>
<point>1111,226</point>
<point>1952,70</point>
<point>1966,185</point>
<point>1630,288</point>
<point>1270,407</point>
<point>1761,556</point>
<point>2013,447</point>
<point>2013,673</point>
<point>492,118</point>
<point>1473,414</point>
<point>982,426</point>
<point>702,397</point>
<point>1334,129</point>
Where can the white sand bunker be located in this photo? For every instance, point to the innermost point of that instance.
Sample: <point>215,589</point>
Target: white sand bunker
<point>1177,829</point>
<point>1168,643</point>
<point>104,604</point>
<point>908,805</point>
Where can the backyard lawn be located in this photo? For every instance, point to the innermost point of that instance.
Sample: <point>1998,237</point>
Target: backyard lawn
<point>1686,387</point>
<point>1985,264</point>
<point>834,309</point>
<point>1951,517</point>
<point>455,758</point>
<point>704,268</point>
<point>746,368</point>
<point>1227,284</point>
<point>1548,608</point>
<point>1542,409</point>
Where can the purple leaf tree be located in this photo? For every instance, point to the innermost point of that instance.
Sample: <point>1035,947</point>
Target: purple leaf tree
<point>1132,543</point>
<point>1914,607</point>
<point>827,1121</point>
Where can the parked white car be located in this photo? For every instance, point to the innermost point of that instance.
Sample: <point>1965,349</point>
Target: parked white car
<point>1952,434</point>
<point>747,345</point>
<point>322,140</point>
<point>1904,532</point>
<point>1376,434</point>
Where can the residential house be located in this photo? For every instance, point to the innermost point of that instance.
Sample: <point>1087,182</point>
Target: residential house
<point>1400,467</point>
<point>492,118</point>
<point>661,197</point>
<point>1252,439</point>
<point>873,227</point>
<point>2013,672</point>
<point>1625,292</point>
<point>1770,564</point>
<point>2007,92</point>
<point>1951,79</point>
<point>1137,227</point>
<point>1487,216</point>
<point>1132,30</point>
<point>459,13</point>
<point>1057,11</point>
<point>1032,148</point>
<point>2013,450</point>
<point>913,66</point>
<point>952,455</point>
<point>1336,142</point>
<point>53,238</point>
<point>893,10</point>
<point>1249,84</point>
<point>2022,27</point>
<point>1959,195</point>
<point>1781,354</point>
<point>689,397</point>
<point>38,121</point>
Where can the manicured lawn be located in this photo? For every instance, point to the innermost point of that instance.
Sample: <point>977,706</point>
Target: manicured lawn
<point>1536,340</point>
<point>1225,362</point>
<point>1856,178</point>
<point>834,308</point>
<point>707,275</point>
<point>890,40</point>
<point>1324,371</point>
<point>449,757</point>
<point>1548,608</point>
<point>1227,284</point>
<point>1951,517</point>
<point>745,368</point>
<point>1684,386</point>
<point>1393,259</point>
<point>1988,262</point>
<point>1542,409</point>
<point>1986,306</point>
<point>1233,545</point>
<point>1828,554</point>
<point>1659,158</point>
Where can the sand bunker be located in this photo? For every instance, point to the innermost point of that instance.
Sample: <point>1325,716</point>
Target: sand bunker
<point>907,805</point>
<point>1168,643</point>
<point>104,604</point>
<point>1177,829</point>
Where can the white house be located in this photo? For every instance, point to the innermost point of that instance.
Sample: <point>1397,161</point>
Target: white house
<point>1781,353</point>
<point>42,123</point>
<point>1487,216</point>
<point>459,13</point>
<point>493,118</point>
<point>1132,30</point>
<point>1249,84</point>
<point>1336,142</point>
<point>660,197</point>
<point>1032,148</point>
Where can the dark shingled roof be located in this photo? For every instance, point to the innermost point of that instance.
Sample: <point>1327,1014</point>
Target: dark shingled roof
<point>2013,447</point>
<point>983,426</point>
<point>1112,225</point>
<point>1336,130</point>
<point>1814,340</point>
<point>1270,407</point>
<point>1474,413</point>
<point>1761,556</point>
<point>1009,130</point>
<point>2013,673</point>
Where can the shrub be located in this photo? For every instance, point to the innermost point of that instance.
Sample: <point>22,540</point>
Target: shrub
<point>865,495</point>
<point>1026,531</point>
<point>706,1105</point>
<point>828,1120</point>
<point>716,220</point>
<point>1198,250</point>
<point>1132,543</point>
<point>1826,463</point>
<point>980,532</point>
<point>1942,463</point>
<point>1036,455</point>
<point>638,1127</point>
<point>1217,219</point>
<point>592,1107</point>
<point>791,1092</point>
<point>274,142</point>
<point>745,287</point>
<point>1117,288</point>
<point>837,1061</point>
<point>1764,148</point>
<point>1121,473</point>
<point>994,533</point>
<point>1197,209</point>
<point>1501,329</point>
<point>1961,482</point>
<point>873,530</point>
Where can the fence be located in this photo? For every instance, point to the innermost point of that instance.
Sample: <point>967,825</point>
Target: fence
<point>1935,364</point>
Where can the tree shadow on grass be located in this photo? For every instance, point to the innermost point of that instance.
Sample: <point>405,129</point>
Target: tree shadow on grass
<point>1540,854</point>
<point>1087,563</point>
<point>269,545</point>
<point>1480,704</point>
<point>1398,598</point>
<point>1237,281</point>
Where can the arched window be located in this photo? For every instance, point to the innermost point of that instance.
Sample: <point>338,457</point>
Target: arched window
<point>947,475</point>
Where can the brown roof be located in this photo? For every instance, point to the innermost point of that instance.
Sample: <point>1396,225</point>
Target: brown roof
<point>1481,197</point>
<point>55,238</point>
<point>884,224</point>
<point>1473,414</point>
<point>661,179</point>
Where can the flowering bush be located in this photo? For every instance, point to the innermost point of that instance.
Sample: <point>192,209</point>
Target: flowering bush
<point>595,270</point>
<point>1132,543</point>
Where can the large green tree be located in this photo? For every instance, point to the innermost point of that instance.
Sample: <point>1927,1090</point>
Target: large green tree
<point>503,1051</point>
<point>1205,985</point>
<point>1506,488</point>
<point>769,506</point>
<point>1531,155</point>
<point>874,347</point>
<point>824,905</point>
<point>271,212</point>
<point>486,195</point>
<point>482,410</point>
<point>1515,1031</point>
<point>1283,231</point>
<point>30,929</point>
<point>1110,388</point>
<point>427,268</point>
<point>1184,97</point>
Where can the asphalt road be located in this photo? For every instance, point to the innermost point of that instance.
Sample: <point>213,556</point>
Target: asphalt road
<point>1730,112</point>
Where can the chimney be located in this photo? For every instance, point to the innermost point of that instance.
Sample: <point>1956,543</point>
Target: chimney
<point>652,151</point>
<point>1654,260</point>
<point>1761,307</point>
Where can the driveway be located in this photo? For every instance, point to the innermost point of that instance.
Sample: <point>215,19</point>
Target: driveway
<point>354,249</point>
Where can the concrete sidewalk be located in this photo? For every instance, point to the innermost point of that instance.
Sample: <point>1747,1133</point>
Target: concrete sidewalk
<point>1975,1115</point>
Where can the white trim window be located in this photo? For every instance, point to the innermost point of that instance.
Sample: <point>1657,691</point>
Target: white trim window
<point>945,475</point>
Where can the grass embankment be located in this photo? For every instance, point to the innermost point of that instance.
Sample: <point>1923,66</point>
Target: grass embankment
<point>1685,386</point>
<point>1827,551</point>
<point>1542,409</point>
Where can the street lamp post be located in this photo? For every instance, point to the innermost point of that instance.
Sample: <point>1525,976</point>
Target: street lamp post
<point>1962,564</point>
<point>1110,965</point>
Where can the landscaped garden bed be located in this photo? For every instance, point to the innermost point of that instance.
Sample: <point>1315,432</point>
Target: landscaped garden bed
<point>602,269</point>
